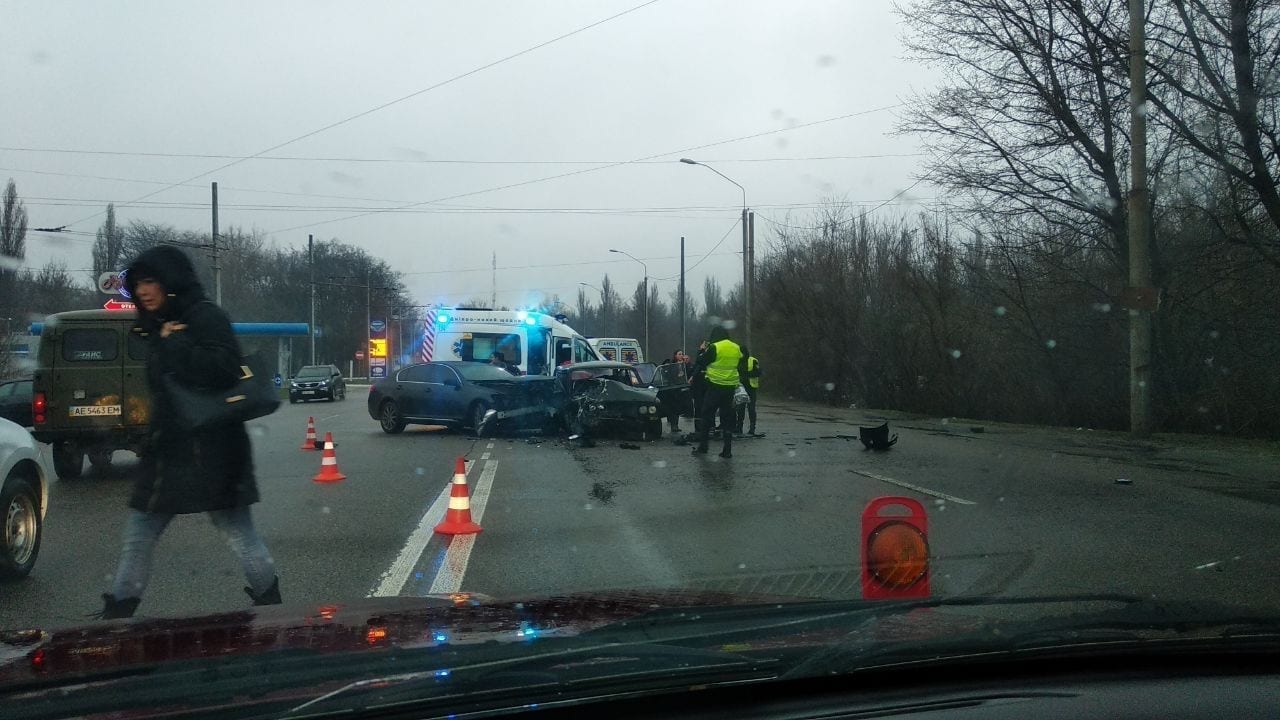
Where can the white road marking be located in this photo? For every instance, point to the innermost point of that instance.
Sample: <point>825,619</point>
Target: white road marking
<point>485,456</point>
<point>1208,565</point>
<point>489,446</point>
<point>917,488</point>
<point>329,417</point>
<point>454,567</point>
<point>397,576</point>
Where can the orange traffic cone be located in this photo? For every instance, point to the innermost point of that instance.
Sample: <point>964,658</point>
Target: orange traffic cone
<point>329,463</point>
<point>457,520</point>
<point>310,442</point>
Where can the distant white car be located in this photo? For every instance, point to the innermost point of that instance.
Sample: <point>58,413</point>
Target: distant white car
<point>24,495</point>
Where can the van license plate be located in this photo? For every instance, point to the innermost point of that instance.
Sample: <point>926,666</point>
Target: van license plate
<point>94,410</point>
<point>308,392</point>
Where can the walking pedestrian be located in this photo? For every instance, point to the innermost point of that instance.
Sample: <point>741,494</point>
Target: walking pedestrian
<point>751,383</point>
<point>182,472</point>
<point>725,364</point>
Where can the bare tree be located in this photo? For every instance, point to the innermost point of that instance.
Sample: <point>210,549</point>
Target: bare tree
<point>13,240</point>
<point>108,245</point>
<point>1216,67</point>
<point>1030,116</point>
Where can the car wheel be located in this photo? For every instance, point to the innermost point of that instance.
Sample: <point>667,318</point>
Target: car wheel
<point>68,460</point>
<point>101,459</point>
<point>653,430</point>
<point>20,534</point>
<point>390,419</point>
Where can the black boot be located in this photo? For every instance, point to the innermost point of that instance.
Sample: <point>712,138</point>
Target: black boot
<point>270,597</point>
<point>113,609</point>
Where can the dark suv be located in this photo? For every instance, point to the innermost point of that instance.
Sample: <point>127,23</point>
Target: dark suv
<point>317,382</point>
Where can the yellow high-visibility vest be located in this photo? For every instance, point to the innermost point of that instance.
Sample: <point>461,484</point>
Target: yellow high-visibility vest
<point>751,366</point>
<point>724,369</point>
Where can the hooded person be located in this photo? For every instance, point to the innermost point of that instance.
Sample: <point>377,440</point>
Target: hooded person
<point>182,472</point>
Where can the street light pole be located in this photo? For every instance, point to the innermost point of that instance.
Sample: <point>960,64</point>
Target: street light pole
<point>748,246</point>
<point>646,294</point>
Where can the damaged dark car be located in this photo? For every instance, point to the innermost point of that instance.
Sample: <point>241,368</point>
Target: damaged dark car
<point>608,396</point>
<point>482,397</point>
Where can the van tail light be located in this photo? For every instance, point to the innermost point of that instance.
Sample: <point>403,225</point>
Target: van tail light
<point>38,408</point>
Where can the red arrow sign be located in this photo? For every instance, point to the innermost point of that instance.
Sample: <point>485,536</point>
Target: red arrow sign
<point>114,304</point>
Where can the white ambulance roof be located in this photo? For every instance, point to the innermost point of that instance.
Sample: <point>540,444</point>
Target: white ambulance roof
<point>497,318</point>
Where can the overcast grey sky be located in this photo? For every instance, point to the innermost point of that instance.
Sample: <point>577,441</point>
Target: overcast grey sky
<point>237,78</point>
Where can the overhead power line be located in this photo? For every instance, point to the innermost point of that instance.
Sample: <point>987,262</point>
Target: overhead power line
<point>387,104</point>
<point>428,161</point>
<point>584,171</point>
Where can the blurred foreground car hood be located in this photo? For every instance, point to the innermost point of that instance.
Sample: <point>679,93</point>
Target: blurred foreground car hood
<point>361,625</point>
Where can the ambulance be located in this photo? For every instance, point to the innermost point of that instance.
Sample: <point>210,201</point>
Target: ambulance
<point>535,342</point>
<point>625,350</point>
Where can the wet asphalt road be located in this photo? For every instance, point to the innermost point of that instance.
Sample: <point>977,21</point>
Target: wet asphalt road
<point>1011,511</point>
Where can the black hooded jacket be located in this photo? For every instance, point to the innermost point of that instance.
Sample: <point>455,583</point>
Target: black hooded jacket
<point>186,472</point>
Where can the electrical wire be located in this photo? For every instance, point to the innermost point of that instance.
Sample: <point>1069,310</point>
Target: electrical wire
<point>427,161</point>
<point>388,104</point>
<point>595,169</point>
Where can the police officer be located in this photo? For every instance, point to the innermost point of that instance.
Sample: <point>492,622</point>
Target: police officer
<point>725,365</point>
<point>751,382</point>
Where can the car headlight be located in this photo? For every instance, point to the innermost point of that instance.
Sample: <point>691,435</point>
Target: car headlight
<point>653,409</point>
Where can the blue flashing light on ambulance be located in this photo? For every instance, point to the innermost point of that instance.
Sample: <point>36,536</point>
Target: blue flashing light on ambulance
<point>536,342</point>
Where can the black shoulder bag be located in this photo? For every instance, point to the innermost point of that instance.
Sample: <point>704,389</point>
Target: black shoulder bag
<point>252,396</point>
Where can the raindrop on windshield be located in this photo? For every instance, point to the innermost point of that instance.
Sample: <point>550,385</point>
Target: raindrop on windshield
<point>791,453</point>
<point>829,386</point>
<point>729,324</point>
<point>956,354</point>
<point>420,471</point>
<point>742,566</point>
<point>1051,344</point>
<point>325,510</point>
<point>659,463</point>
<point>1000,311</point>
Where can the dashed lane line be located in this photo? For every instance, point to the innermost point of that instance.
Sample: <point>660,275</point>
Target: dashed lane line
<point>397,576</point>
<point>454,567</point>
<point>485,456</point>
<point>916,488</point>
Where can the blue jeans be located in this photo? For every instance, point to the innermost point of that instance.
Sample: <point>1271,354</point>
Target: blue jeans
<point>142,531</point>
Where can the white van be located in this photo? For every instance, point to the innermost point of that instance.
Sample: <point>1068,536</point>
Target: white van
<point>535,342</point>
<point>625,350</point>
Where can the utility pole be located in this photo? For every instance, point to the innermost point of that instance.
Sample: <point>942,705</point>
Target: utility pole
<point>493,298</point>
<point>646,312</point>
<point>1140,313</point>
<point>746,274</point>
<point>368,318</point>
<point>683,314</point>
<point>311,260</point>
<point>749,289</point>
<point>217,268</point>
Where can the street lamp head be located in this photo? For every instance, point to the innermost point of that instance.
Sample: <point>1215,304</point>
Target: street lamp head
<point>612,250</point>
<point>687,161</point>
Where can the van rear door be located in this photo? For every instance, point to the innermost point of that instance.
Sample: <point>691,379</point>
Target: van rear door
<point>88,377</point>
<point>137,397</point>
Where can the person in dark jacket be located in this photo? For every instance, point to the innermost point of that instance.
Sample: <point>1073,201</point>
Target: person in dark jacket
<point>184,472</point>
